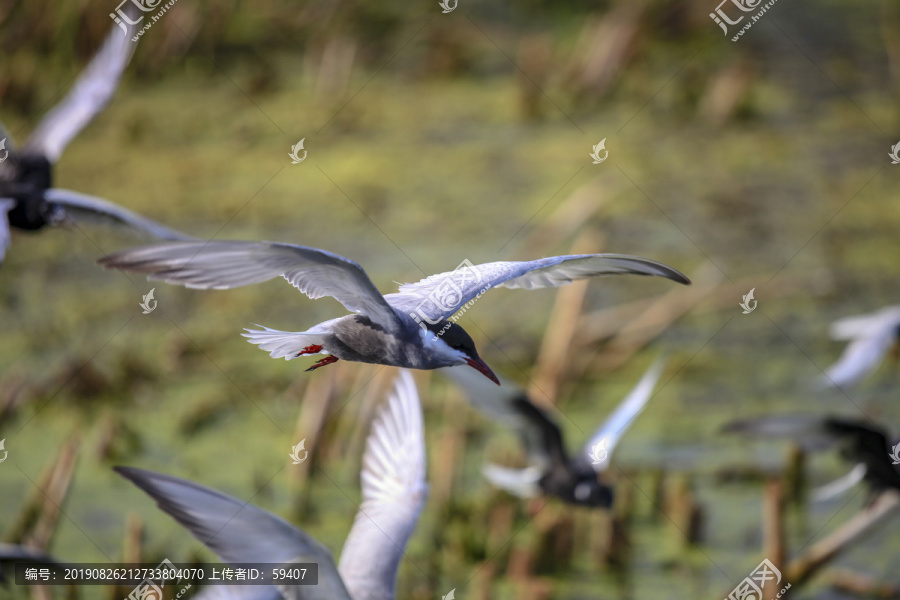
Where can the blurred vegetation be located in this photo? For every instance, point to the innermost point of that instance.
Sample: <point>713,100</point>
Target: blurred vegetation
<point>433,138</point>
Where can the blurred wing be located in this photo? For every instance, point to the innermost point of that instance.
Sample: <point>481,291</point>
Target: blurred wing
<point>5,236</point>
<point>69,206</point>
<point>839,486</point>
<point>393,493</point>
<point>237,531</point>
<point>861,326</point>
<point>224,265</point>
<point>618,423</point>
<point>13,553</point>
<point>524,483</point>
<point>509,406</point>
<point>92,92</point>
<point>811,432</point>
<point>860,358</point>
<point>439,296</point>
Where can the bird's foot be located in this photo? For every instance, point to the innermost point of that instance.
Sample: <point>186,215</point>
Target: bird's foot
<point>323,361</point>
<point>314,349</point>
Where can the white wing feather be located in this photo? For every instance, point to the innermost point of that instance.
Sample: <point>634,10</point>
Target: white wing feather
<point>393,493</point>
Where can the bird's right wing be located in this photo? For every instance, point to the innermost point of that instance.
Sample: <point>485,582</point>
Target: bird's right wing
<point>224,265</point>
<point>393,493</point>
<point>68,206</point>
<point>621,419</point>
<point>92,92</point>
<point>439,296</point>
<point>238,532</point>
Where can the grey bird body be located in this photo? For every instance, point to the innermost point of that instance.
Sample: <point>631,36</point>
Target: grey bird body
<point>409,329</point>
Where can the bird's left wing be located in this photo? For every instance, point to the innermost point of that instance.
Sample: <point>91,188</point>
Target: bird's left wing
<point>92,92</point>
<point>393,493</point>
<point>238,532</point>
<point>439,296</point>
<point>224,265</point>
<point>67,206</point>
<point>621,419</point>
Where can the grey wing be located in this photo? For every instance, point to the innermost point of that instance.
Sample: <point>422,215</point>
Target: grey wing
<point>69,206</point>
<point>225,265</point>
<point>238,532</point>
<point>508,405</point>
<point>393,493</point>
<point>6,205</point>
<point>92,92</point>
<point>621,419</point>
<point>439,296</point>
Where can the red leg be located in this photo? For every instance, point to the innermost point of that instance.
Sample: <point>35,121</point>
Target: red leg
<point>314,349</point>
<point>324,361</point>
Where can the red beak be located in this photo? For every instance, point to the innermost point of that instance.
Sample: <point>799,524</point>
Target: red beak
<point>480,366</point>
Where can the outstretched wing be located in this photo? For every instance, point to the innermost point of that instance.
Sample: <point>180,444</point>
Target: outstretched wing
<point>621,419</point>
<point>238,532</point>
<point>92,92</point>
<point>393,493</point>
<point>225,265</point>
<point>439,296</point>
<point>68,206</point>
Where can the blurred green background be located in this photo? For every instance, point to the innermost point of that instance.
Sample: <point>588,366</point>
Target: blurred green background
<point>434,138</point>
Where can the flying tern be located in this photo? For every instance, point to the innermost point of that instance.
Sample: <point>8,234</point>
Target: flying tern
<point>28,200</point>
<point>552,470</point>
<point>409,329</point>
<point>393,493</point>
